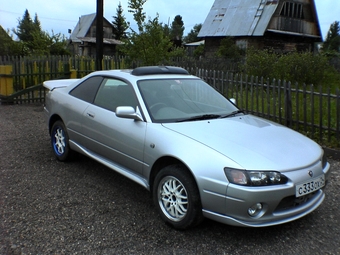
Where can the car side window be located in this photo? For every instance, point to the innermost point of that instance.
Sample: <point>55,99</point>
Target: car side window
<point>87,90</point>
<point>113,93</point>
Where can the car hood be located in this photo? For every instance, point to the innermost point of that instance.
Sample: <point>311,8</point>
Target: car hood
<point>252,142</point>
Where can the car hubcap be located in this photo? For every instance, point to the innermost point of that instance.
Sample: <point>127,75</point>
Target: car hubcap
<point>59,141</point>
<point>173,198</point>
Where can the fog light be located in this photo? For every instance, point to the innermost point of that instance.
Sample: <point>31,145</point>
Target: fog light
<point>255,209</point>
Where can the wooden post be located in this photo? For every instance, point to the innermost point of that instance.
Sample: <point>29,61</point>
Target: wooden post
<point>73,74</point>
<point>338,116</point>
<point>288,104</point>
<point>99,34</point>
<point>6,80</point>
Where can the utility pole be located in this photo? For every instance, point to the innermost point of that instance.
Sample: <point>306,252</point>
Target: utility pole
<point>99,34</point>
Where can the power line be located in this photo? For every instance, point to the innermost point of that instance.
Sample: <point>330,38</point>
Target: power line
<point>73,21</point>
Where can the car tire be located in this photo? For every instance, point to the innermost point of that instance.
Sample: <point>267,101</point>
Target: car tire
<point>176,197</point>
<point>60,141</point>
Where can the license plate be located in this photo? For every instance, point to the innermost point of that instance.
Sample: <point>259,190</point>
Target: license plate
<point>310,186</point>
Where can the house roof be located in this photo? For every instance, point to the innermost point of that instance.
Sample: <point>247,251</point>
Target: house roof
<point>105,40</point>
<point>195,43</point>
<point>238,18</point>
<point>82,27</point>
<point>4,34</point>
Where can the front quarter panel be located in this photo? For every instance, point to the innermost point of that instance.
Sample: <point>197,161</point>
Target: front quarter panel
<point>205,164</point>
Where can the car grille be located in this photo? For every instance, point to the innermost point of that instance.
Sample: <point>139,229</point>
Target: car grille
<point>292,201</point>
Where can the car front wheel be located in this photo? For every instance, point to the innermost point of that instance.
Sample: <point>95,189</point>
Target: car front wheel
<point>59,141</point>
<point>177,198</point>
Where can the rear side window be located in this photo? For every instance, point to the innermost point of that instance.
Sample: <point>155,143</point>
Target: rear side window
<point>87,90</point>
<point>114,93</point>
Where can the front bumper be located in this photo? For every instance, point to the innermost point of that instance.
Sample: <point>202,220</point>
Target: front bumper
<point>274,219</point>
<point>279,203</point>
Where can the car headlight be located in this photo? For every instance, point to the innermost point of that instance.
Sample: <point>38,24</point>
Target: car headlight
<point>254,178</point>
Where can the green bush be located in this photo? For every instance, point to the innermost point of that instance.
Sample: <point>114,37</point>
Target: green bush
<point>302,68</point>
<point>199,51</point>
<point>229,50</point>
<point>260,63</point>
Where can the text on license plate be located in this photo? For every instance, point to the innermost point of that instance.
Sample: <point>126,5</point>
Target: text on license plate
<point>310,186</point>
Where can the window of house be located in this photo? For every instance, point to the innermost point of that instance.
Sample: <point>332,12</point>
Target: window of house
<point>292,10</point>
<point>242,44</point>
<point>93,31</point>
<point>107,32</point>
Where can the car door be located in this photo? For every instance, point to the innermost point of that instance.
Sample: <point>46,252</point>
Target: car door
<point>117,139</point>
<point>81,97</point>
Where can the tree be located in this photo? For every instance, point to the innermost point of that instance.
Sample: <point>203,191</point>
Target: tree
<point>332,42</point>
<point>26,27</point>
<point>149,45</point>
<point>34,41</point>
<point>119,24</point>
<point>58,44</point>
<point>30,34</point>
<point>176,31</point>
<point>166,29</point>
<point>192,35</point>
<point>136,8</point>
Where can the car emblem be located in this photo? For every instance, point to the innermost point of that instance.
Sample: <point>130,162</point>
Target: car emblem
<point>310,173</point>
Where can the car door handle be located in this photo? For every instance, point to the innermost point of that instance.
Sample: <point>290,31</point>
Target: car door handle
<point>90,114</point>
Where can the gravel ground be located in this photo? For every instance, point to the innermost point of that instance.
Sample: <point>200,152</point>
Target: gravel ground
<point>82,207</point>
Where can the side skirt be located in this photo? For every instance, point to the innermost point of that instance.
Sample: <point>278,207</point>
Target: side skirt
<point>116,167</point>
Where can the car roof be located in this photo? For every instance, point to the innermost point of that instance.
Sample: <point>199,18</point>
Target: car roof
<point>154,70</point>
<point>147,72</point>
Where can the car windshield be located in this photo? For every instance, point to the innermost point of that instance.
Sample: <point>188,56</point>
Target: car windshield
<point>178,100</point>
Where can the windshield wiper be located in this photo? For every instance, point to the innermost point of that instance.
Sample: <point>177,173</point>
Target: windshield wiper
<point>201,117</point>
<point>232,114</point>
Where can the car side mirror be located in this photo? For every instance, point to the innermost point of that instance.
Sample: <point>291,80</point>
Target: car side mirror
<point>128,112</point>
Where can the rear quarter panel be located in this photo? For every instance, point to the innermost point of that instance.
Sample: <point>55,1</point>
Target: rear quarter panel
<point>68,108</point>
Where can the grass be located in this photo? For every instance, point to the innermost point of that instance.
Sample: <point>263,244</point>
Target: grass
<point>310,111</point>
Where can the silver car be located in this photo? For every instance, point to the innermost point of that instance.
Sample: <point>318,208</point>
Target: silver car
<point>193,149</point>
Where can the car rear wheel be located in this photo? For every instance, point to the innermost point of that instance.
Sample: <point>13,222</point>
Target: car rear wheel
<point>177,198</point>
<point>59,141</point>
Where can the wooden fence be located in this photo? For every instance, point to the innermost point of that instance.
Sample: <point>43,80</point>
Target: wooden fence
<point>304,108</point>
<point>21,78</point>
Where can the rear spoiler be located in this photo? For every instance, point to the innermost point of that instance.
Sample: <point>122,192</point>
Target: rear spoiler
<point>52,84</point>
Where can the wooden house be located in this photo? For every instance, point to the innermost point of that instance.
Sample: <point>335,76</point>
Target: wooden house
<point>83,37</point>
<point>280,25</point>
<point>191,47</point>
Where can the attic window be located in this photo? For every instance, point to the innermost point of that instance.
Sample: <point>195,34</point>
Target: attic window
<point>292,10</point>
<point>93,31</point>
<point>220,15</point>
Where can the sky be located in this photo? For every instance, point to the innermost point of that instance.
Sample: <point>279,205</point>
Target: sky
<point>60,15</point>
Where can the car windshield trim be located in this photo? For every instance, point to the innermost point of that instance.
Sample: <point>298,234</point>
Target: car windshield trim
<point>232,114</point>
<point>211,116</point>
<point>201,117</point>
